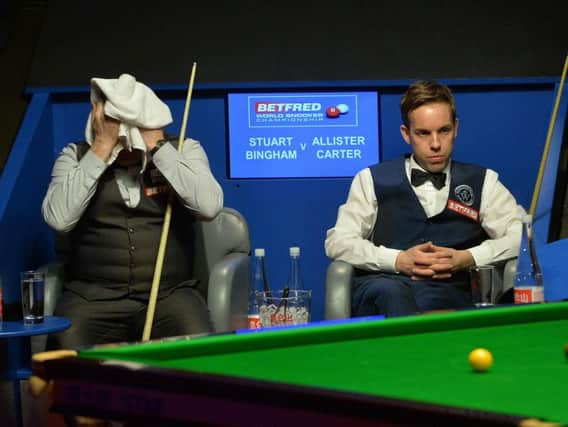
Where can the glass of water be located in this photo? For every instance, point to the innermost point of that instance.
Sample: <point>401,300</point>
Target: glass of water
<point>33,294</point>
<point>482,280</point>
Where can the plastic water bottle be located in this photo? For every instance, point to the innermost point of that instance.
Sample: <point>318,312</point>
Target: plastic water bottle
<point>295,282</point>
<point>259,282</point>
<point>529,285</point>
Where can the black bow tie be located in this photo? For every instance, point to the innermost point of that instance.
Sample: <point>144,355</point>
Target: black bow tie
<point>418,177</point>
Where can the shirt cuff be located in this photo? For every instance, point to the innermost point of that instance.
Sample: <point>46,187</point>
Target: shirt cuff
<point>389,256</point>
<point>480,255</point>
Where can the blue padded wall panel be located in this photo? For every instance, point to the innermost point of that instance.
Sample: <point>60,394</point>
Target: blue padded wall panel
<point>502,126</point>
<point>26,241</point>
<point>543,211</point>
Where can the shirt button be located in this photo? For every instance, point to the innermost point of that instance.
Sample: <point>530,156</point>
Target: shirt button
<point>132,248</point>
<point>131,230</point>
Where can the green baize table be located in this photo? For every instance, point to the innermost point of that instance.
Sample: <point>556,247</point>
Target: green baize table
<point>399,371</point>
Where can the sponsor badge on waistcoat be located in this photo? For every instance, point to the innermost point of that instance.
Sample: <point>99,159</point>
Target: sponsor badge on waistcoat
<point>158,184</point>
<point>155,190</point>
<point>462,206</point>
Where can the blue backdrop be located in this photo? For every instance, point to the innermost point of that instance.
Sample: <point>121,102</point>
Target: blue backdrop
<point>503,126</point>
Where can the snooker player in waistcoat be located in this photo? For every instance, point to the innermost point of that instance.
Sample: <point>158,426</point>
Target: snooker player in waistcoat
<point>108,197</point>
<point>413,226</point>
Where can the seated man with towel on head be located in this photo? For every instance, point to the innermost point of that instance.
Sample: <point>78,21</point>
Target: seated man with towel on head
<point>109,196</point>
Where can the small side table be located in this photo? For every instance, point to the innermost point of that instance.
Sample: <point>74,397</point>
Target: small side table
<point>16,354</point>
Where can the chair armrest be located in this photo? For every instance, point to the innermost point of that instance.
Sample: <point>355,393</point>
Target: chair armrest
<point>54,278</point>
<point>338,290</point>
<point>227,293</point>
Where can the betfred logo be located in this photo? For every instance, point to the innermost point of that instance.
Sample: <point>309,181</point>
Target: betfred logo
<point>322,110</point>
<point>261,107</point>
<point>463,210</point>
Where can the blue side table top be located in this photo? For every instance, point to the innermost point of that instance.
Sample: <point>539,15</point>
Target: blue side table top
<point>12,329</point>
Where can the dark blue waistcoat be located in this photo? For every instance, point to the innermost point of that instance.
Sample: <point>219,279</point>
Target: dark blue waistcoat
<point>401,220</point>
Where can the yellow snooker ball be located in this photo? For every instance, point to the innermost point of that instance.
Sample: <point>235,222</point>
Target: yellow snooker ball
<point>480,359</point>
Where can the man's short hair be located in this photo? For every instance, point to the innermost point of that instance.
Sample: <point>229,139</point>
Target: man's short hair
<point>425,92</point>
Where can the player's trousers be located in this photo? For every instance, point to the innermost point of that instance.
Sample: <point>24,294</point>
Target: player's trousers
<point>399,295</point>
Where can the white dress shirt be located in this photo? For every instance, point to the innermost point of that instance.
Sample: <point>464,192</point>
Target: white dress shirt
<point>348,240</point>
<point>74,182</point>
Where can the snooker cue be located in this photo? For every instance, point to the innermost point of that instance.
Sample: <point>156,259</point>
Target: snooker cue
<point>166,226</point>
<point>544,157</point>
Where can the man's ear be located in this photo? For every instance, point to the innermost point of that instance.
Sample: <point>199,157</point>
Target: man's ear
<point>405,132</point>
<point>456,128</point>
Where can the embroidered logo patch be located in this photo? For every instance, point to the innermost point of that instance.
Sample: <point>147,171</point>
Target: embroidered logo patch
<point>463,210</point>
<point>464,193</point>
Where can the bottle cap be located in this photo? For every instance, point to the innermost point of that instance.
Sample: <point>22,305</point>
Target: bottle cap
<point>294,251</point>
<point>259,252</point>
<point>526,218</point>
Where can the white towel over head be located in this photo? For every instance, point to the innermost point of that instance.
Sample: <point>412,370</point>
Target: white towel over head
<point>134,104</point>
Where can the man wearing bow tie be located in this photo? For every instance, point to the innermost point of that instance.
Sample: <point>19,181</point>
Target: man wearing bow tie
<point>413,226</point>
